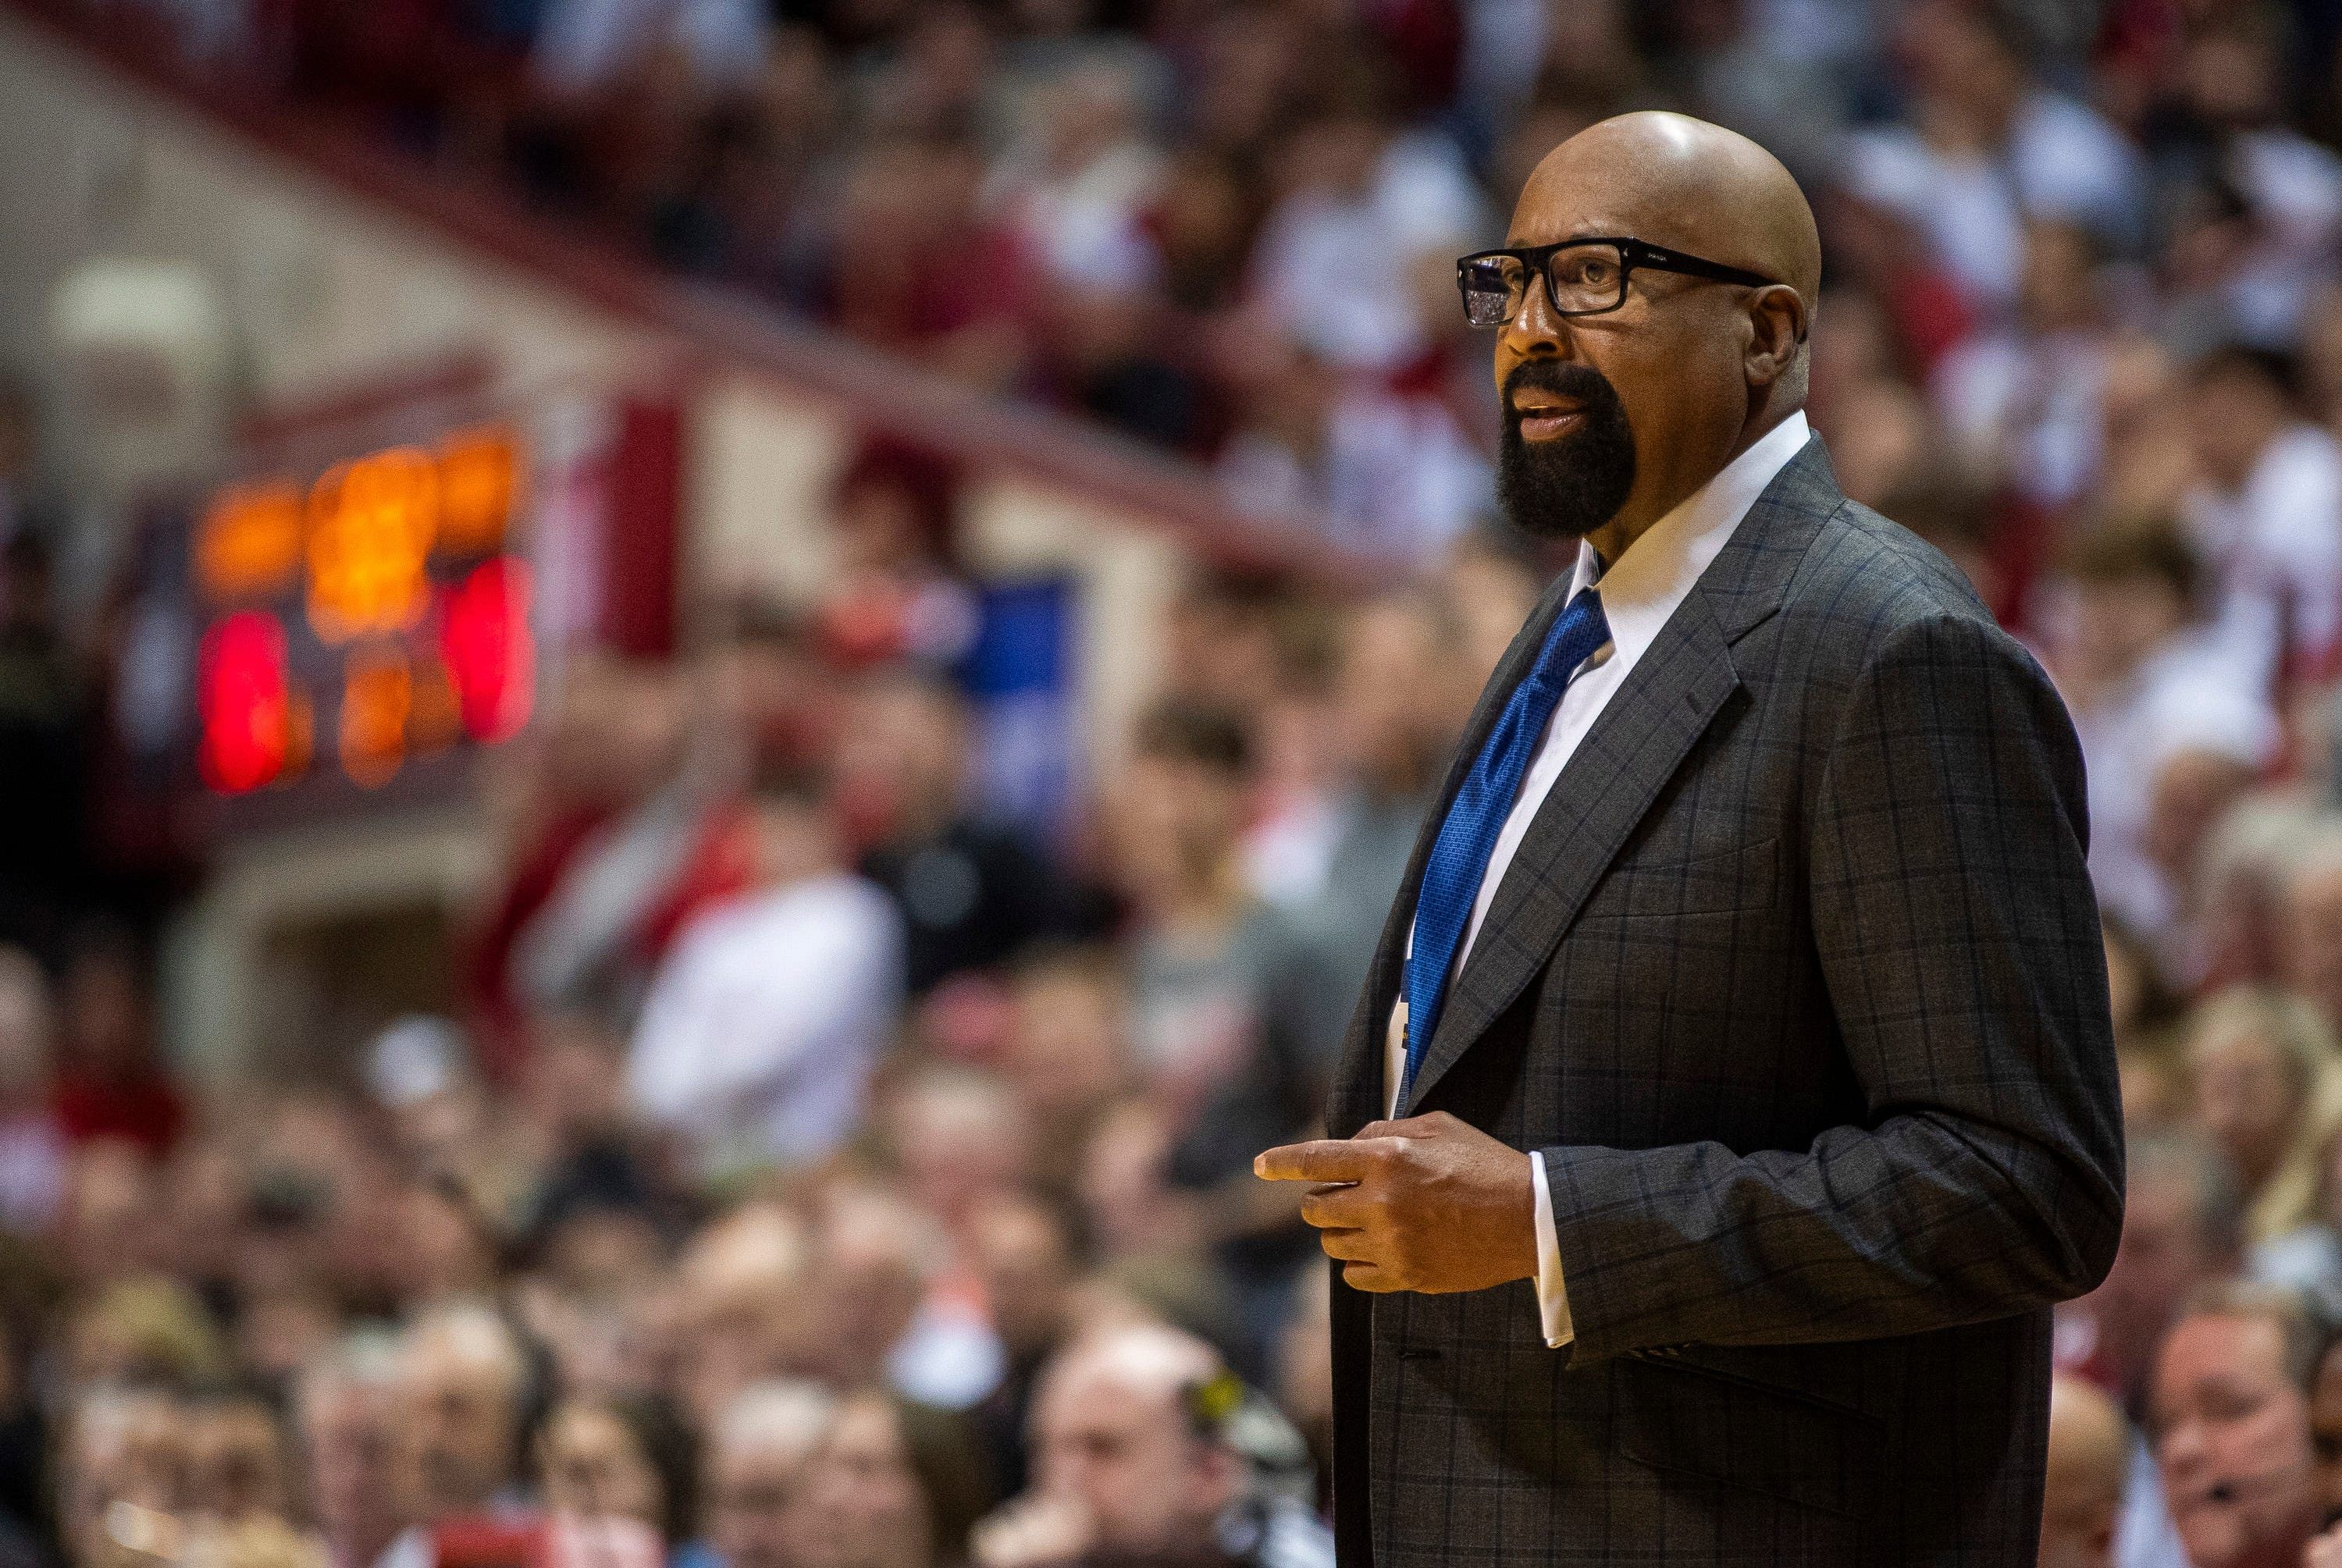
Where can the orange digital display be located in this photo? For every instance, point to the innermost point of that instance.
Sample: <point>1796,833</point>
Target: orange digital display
<point>377,594</point>
<point>477,471</point>
<point>249,544</point>
<point>371,526</point>
<point>378,698</point>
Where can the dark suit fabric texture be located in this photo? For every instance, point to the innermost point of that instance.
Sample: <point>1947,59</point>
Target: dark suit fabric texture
<point>1796,984</point>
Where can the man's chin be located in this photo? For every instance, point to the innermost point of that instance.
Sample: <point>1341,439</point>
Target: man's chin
<point>1560,488</point>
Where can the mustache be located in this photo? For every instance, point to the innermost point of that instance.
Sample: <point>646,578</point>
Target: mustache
<point>1564,378</point>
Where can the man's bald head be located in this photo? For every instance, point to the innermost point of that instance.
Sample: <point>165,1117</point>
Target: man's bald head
<point>1112,1432</point>
<point>2089,1457</point>
<point>1700,366</point>
<point>1687,184</point>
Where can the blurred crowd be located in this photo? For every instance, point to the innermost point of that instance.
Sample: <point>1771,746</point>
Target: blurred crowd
<point>819,1170</point>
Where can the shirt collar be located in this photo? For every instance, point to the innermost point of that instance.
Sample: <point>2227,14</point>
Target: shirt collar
<point>1657,571</point>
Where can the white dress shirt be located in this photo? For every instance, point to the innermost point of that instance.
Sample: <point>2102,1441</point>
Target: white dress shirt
<point>757,1039</point>
<point>1653,577</point>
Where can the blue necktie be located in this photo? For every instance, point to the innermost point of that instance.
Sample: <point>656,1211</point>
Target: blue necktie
<point>1459,856</point>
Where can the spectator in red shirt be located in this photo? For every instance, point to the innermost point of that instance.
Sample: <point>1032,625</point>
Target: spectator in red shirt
<point>108,1083</point>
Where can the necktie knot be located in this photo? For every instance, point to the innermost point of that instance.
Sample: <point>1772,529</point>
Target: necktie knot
<point>1578,633</point>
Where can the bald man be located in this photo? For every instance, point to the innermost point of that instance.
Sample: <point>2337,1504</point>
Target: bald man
<point>1733,1090</point>
<point>2089,1459</point>
<point>1134,1464</point>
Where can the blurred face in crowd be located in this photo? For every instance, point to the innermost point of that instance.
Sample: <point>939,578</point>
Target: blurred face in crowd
<point>2167,1250</point>
<point>1027,1264</point>
<point>1489,595</point>
<point>756,1483</point>
<point>575,1079</point>
<point>2089,1456</point>
<point>25,1025</point>
<point>1177,822</point>
<point>1611,419</point>
<point>1110,1434</point>
<point>902,756</point>
<point>2325,1431</point>
<point>2233,1440</point>
<point>2059,288</point>
<point>2119,622</point>
<point>444,1251</point>
<point>869,1282</point>
<point>743,1308</point>
<point>236,1467</point>
<point>2252,411</point>
<point>456,1419</point>
<point>793,837</point>
<point>2250,1098</point>
<point>128,1448</point>
<point>2311,937</point>
<point>115,1219</point>
<point>102,1013</point>
<point>880,526</point>
<point>1122,1180</point>
<point>1304,1362</point>
<point>279,1331</point>
<point>1066,1047</point>
<point>864,1505</point>
<point>346,1443</point>
<point>961,1139</point>
<point>2193,790</point>
<point>615,729</point>
<point>1386,695</point>
<point>594,1466</point>
<point>1966,73</point>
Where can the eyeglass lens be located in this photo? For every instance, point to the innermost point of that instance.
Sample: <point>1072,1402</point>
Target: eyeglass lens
<point>1580,280</point>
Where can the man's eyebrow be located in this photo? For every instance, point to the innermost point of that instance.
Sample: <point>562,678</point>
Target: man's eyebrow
<point>1514,243</point>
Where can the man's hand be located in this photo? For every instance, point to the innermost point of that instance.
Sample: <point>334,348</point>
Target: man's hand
<point>1428,1203</point>
<point>1032,1530</point>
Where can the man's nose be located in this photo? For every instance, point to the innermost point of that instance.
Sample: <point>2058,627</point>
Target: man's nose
<point>2181,1446</point>
<point>1536,328</point>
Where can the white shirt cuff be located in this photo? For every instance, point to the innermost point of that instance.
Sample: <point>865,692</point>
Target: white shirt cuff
<point>1553,1301</point>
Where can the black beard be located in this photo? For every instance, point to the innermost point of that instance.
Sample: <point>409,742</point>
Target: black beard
<point>1567,487</point>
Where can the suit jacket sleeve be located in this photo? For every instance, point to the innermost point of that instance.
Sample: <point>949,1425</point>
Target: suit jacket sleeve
<point>1959,940</point>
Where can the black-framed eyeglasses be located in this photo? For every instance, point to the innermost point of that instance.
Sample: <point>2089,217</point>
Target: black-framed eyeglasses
<point>1582,276</point>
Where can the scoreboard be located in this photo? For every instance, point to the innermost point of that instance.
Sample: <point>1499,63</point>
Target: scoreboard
<point>364,616</point>
<point>344,619</point>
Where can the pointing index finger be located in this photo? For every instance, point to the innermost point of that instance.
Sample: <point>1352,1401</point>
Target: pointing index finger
<point>1321,1160</point>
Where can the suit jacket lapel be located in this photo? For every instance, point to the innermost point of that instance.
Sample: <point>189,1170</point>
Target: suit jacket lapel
<point>1651,723</point>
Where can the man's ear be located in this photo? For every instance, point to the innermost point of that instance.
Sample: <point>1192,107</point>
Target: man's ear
<point>1777,321</point>
<point>1220,1476</point>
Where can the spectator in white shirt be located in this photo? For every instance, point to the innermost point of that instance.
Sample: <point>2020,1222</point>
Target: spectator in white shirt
<point>1989,146</point>
<point>2025,401</point>
<point>757,1040</point>
<point>2146,687</point>
<point>1365,199</point>
<point>2266,517</point>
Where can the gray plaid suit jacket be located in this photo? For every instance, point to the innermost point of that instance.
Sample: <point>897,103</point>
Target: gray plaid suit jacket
<point>1796,984</point>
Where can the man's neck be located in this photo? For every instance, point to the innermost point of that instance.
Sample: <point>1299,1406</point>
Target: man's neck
<point>1615,538</point>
